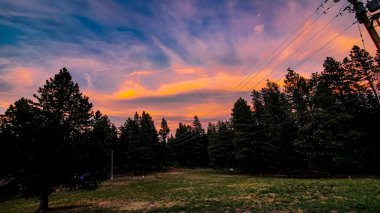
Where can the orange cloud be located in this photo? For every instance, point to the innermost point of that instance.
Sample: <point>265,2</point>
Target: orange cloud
<point>187,70</point>
<point>141,73</point>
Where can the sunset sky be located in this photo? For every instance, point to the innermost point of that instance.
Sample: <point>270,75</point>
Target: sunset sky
<point>174,59</point>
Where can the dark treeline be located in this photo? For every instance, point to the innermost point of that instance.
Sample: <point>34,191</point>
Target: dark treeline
<point>324,125</point>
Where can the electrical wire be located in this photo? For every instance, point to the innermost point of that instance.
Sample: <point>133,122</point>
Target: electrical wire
<point>335,37</point>
<point>239,85</point>
<point>320,30</point>
<point>275,57</point>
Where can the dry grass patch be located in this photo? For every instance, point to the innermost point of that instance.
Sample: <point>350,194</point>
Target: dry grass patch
<point>129,205</point>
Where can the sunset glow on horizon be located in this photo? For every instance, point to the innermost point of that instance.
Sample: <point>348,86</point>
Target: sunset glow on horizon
<point>173,59</point>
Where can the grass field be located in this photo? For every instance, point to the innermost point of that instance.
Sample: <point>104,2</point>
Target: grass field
<point>207,191</point>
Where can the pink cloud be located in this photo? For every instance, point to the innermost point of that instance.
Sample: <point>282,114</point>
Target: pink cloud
<point>259,29</point>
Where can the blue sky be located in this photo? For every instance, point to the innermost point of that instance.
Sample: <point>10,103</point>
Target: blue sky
<point>170,58</point>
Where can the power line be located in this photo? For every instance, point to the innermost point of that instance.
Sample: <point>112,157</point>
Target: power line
<point>215,109</point>
<point>335,37</point>
<point>294,39</point>
<point>238,87</point>
<point>320,30</point>
<point>332,39</point>
<point>302,47</point>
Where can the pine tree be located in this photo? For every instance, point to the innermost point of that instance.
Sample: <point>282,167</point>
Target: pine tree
<point>101,142</point>
<point>164,131</point>
<point>163,146</point>
<point>365,68</point>
<point>22,129</point>
<point>220,145</point>
<point>272,148</point>
<point>181,145</point>
<point>149,142</point>
<point>67,115</point>
<point>241,121</point>
<point>49,131</point>
<point>199,144</point>
<point>297,92</point>
<point>138,147</point>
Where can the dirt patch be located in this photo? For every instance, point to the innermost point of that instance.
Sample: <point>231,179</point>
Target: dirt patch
<point>257,199</point>
<point>127,205</point>
<point>250,186</point>
<point>143,205</point>
<point>128,179</point>
<point>184,189</point>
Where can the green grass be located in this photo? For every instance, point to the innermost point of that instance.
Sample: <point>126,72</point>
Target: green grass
<point>205,190</point>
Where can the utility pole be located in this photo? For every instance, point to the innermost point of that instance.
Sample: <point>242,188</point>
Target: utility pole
<point>361,15</point>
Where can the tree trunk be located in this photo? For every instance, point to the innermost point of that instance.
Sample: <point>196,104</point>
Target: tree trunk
<point>44,202</point>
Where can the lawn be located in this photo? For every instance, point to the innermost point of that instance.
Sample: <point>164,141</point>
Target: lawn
<point>206,190</point>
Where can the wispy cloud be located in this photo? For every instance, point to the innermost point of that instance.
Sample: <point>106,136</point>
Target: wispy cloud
<point>172,58</point>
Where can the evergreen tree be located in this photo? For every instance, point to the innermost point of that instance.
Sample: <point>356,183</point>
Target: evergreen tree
<point>164,131</point>
<point>163,151</point>
<point>21,129</point>
<point>297,92</point>
<point>171,157</point>
<point>220,145</point>
<point>101,142</point>
<point>130,151</point>
<point>181,145</point>
<point>272,148</point>
<point>149,142</point>
<point>336,95</point>
<point>365,68</point>
<point>199,144</point>
<point>327,143</point>
<point>67,115</point>
<point>48,132</point>
<point>241,121</point>
<point>138,147</point>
